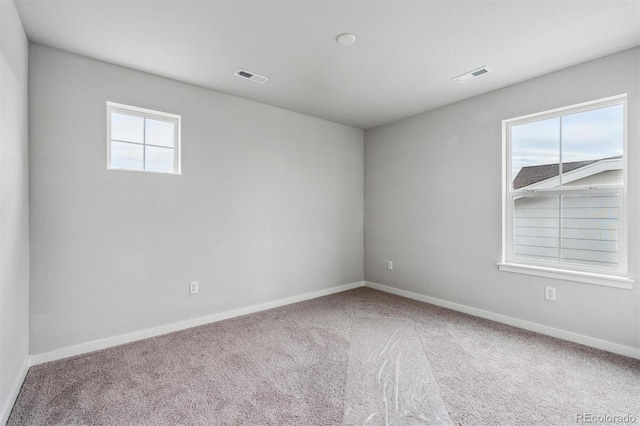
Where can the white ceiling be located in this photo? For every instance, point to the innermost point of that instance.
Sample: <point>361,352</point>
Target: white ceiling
<point>403,62</point>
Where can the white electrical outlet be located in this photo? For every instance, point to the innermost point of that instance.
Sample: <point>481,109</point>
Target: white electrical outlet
<point>390,265</point>
<point>550,293</point>
<point>193,287</point>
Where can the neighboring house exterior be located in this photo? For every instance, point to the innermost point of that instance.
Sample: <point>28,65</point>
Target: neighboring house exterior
<point>589,221</point>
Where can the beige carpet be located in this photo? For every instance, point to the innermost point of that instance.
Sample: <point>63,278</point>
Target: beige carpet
<point>359,357</point>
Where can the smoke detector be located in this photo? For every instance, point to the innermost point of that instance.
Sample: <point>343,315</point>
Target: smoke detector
<point>473,74</point>
<point>256,78</point>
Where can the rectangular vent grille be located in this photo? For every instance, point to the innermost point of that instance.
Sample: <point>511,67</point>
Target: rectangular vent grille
<point>472,74</point>
<point>257,78</point>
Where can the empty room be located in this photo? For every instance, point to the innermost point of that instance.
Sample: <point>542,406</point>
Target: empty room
<point>319,212</point>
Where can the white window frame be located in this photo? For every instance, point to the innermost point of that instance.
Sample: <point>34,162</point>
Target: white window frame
<point>581,273</point>
<point>145,113</point>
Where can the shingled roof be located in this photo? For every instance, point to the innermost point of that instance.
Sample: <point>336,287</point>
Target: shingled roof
<point>534,174</point>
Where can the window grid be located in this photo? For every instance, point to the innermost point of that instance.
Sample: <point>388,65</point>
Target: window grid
<point>561,191</point>
<point>145,115</point>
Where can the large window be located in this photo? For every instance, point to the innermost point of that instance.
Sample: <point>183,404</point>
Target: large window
<point>564,193</point>
<point>142,139</point>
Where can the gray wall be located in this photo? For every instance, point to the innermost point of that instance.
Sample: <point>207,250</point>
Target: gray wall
<point>14,202</point>
<point>433,204</point>
<point>269,205</point>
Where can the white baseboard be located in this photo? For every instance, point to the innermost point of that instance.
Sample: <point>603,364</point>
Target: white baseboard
<point>169,328</point>
<point>527,325</point>
<point>15,390</point>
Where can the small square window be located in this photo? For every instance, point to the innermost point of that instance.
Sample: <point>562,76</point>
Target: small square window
<point>142,139</point>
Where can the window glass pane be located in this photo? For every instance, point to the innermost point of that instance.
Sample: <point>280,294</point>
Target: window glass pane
<point>590,229</point>
<point>536,232</point>
<point>159,159</point>
<point>159,132</point>
<point>592,146</point>
<point>127,127</point>
<point>126,156</point>
<point>535,154</point>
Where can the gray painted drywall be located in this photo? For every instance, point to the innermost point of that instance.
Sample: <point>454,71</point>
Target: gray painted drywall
<point>14,203</point>
<point>433,204</point>
<point>269,205</point>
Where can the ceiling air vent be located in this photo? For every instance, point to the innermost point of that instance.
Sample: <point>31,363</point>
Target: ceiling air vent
<point>472,74</point>
<point>257,78</point>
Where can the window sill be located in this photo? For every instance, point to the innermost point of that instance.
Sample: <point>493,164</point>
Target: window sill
<point>561,274</point>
